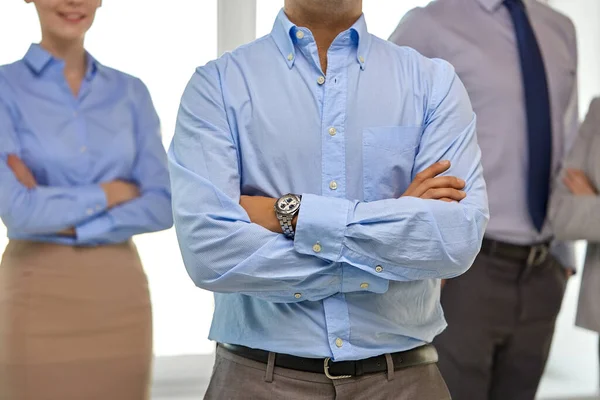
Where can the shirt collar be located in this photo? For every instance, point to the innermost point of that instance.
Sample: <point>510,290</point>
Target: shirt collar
<point>363,38</point>
<point>38,60</point>
<point>284,32</point>
<point>494,5</point>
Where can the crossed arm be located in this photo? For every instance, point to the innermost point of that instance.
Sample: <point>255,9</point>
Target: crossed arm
<point>428,184</point>
<point>233,244</point>
<point>576,201</point>
<point>109,212</point>
<point>128,208</point>
<point>117,192</point>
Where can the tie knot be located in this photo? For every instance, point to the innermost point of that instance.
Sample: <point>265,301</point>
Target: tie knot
<point>513,3</point>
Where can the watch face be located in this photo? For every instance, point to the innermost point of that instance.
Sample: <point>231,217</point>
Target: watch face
<point>288,204</point>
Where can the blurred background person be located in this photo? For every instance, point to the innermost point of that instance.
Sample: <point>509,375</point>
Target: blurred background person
<point>575,212</point>
<point>518,60</point>
<point>82,169</point>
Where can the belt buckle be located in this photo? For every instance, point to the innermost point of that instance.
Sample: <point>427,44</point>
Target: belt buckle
<point>537,255</point>
<point>327,374</point>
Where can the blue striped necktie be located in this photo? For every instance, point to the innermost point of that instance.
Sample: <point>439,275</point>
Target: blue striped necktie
<point>537,105</point>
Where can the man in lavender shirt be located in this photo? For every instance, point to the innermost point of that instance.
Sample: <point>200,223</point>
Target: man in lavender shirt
<point>518,61</point>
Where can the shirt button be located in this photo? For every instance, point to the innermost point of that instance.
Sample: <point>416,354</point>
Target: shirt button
<point>89,211</point>
<point>83,149</point>
<point>364,285</point>
<point>298,295</point>
<point>317,248</point>
<point>332,131</point>
<point>290,57</point>
<point>333,185</point>
<point>379,268</point>
<point>321,80</point>
<point>361,59</point>
<point>299,34</point>
<point>339,342</point>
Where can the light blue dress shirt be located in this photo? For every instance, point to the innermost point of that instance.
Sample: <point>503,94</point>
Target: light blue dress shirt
<point>362,276</point>
<point>71,144</point>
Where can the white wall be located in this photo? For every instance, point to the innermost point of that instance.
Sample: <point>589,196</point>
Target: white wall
<point>236,23</point>
<point>586,16</point>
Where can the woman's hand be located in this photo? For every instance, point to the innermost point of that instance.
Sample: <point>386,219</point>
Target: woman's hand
<point>26,178</point>
<point>578,183</point>
<point>119,192</point>
<point>70,232</point>
<point>21,171</point>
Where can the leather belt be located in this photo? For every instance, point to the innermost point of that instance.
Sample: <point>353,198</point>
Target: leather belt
<point>342,369</point>
<point>533,255</point>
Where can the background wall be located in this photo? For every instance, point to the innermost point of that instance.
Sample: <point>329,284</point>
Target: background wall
<point>586,15</point>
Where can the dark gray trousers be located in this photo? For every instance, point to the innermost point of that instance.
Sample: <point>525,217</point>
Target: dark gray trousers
<point>501,317</point>
<point>238,378</point>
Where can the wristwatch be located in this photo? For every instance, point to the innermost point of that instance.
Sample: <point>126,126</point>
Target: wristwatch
<point>286,208</point>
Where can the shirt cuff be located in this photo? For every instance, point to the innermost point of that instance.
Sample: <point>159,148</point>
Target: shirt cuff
<point>321,226</point>
<point>357,280</point>
<point>93,200</point>
<point>93,229</point>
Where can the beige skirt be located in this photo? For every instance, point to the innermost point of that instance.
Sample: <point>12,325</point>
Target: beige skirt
<point>75,323</point>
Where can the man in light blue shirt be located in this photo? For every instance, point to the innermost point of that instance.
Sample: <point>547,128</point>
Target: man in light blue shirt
<point>291,169</point>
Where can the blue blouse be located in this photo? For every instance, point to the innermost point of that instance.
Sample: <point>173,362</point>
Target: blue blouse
<point>72,144</point>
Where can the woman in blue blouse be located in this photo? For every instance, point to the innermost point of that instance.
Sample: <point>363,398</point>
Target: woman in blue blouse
<point>82,170</point>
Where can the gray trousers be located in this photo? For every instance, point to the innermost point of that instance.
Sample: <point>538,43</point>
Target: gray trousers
<point>501,319</point>
<point>237,378</point>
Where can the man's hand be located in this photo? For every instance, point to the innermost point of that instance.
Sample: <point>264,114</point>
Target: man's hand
<point>428,185</point>
<point>578,183</point>
<point>119,192</point>
<point>261,211</point>
<point>21,171</point>
<point>569,272</point>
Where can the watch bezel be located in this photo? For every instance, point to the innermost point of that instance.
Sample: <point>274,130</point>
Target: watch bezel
<point>294,211</point>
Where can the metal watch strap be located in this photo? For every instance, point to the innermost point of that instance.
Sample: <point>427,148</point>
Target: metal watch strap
<point>286,226</point>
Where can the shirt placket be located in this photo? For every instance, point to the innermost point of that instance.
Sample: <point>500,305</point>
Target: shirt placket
<point>81,131</point>
<point>76,134</point>
<point>333,179</point>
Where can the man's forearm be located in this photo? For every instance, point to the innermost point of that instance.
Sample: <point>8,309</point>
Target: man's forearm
<point>428,184</point>
<point>398,239</point>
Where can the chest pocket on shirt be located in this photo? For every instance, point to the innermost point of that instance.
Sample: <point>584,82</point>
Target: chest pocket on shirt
<point>388,159</point>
